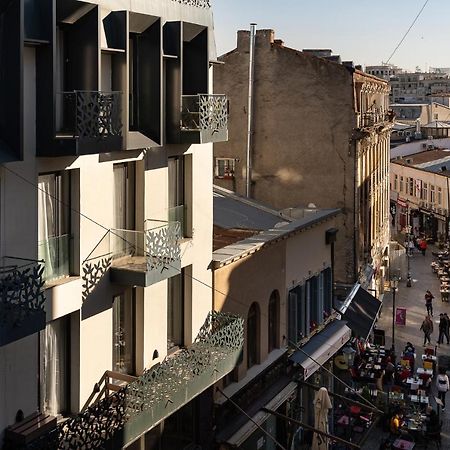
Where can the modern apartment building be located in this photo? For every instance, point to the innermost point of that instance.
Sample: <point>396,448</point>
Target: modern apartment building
<point>107,118</point>
<point>385,71</point>
<point>319,135</point>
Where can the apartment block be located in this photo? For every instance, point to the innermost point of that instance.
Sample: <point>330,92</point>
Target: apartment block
<point>320,138</point>
<point>107,119</point>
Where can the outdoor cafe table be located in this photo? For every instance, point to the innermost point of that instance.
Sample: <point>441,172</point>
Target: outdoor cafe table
<point>422,371</point>
<point>418,381</point>
<point>419,399</point>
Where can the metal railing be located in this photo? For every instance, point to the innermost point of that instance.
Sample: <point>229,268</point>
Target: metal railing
<point>89,114</point>
<point>160,391</point>
<point>198,3</point>
<point>55,252</point>
<point>374,117</point>
<point>21,297</point>
<point>204,112</point>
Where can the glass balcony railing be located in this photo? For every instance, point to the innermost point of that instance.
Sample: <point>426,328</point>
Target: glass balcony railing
<point>118,419</point>
<point>21,299</point>
<point>178,214</point>
<point>55,252</point>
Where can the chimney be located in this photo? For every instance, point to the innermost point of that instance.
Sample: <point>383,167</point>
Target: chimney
<point>243,41</point>
<point>265,37</point>
<point>279,42</point>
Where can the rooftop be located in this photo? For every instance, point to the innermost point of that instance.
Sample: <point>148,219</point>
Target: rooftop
<point>435,161</point>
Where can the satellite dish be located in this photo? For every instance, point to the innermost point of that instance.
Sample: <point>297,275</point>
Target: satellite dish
<point>311,205</point>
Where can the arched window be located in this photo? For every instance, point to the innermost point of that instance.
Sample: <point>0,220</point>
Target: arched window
<point>252,335</point>
<point>274,308</point>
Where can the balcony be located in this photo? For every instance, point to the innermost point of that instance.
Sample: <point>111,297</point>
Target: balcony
<point>135,258</point>
<point>204,118</point>
<point>55,252</point>
<point>21,299</point>
<point>373,118</point>
<point>118,419</point>
<point>90,121</point>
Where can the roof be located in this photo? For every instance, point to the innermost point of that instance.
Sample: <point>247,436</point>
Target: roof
<point>424,159</point>
<point>232,211</point>
<point>233,252</point>
<point>437,124</point>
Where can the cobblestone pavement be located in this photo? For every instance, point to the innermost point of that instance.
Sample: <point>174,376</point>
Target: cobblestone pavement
<point>412,298</point>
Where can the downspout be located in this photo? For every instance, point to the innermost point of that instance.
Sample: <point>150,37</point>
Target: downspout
<point>251,71</point>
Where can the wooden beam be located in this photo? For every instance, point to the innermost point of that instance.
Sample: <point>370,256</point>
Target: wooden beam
<point>308,427</point>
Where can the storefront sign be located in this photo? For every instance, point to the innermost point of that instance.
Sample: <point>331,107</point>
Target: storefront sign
<point>400,316</point>
<point>401,202</point>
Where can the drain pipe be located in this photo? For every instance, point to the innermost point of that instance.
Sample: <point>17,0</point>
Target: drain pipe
<point>251,71</point>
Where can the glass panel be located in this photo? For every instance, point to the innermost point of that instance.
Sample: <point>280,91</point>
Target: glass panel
<point>178,214</point>
<point>123,334</point>
<point>55,252</point>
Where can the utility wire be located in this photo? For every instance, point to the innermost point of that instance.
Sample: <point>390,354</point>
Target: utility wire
<point>193,278</point>
<point>250,418</point>
<point>407,32</point>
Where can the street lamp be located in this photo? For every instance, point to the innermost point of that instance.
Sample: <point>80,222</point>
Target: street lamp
<point>394,285</point>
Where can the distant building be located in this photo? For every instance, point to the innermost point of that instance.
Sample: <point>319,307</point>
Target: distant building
<point>320,136</point>
<point>420,191</point>
<point>425,113</point>
<point>420,87</point>
<point>385,71</point>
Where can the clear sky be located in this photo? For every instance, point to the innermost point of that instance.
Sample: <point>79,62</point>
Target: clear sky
<point>364,31</point>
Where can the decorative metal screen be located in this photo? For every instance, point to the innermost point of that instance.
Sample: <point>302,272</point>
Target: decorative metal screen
<point>198,3</point>
<point>21,293</point>
<point>92,114</point>
<point>204,112</point>
<point>163,246</point>
<point>221,337</point>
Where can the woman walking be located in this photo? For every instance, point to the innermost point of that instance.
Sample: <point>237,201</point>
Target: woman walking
<point>429,302</point>
<point>442,385</point>
<point>427,328</point>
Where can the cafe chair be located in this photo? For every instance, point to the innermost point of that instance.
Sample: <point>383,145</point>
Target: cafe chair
<point>429,351</point>
<point>428,365</point>
<point>405,363</point>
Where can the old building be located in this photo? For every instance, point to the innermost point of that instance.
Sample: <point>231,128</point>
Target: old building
<point>276,273</point>
<point>319,135</point>
<point>107,120</point>
<point>420,193</point>
<point>385,71</point>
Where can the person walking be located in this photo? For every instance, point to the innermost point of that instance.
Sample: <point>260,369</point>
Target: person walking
<point>423,246</point>
<point>442,385</point>
<point>447,328</point>
<point>427,328</point>
<point>442,328</point>
<point>429,302</point>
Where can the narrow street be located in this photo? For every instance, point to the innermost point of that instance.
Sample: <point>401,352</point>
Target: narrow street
<point>412,298</point>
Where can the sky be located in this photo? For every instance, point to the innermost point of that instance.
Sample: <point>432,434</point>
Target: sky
<point>363,31</point>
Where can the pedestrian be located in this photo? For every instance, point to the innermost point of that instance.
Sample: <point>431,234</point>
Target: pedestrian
<point>442,385</point>
<point>411,247</point>
<point>429,302</point>
<point>423,246</point>
<point>427,328</point>
<point>447,328</point>
<point>442,328</point>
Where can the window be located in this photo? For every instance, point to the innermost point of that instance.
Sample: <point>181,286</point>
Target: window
<point>425,191</point>
<point>123,205</point>
<point>327,291</point>
<point>55,366</point>
<point>177,207</point>
<point>432,194</point>
<point>274,305</point>
<point>124,333</point>
<point>225,168</point>
<point>439,196</point>
<point>54,224</point>
<point>401,184</point>
<point>175,311</point>
<point>395,182</point>
<point>411,186</point>
<point>252,335</point>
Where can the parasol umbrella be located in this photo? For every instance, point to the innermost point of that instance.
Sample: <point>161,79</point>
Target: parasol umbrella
<point>322,404</point>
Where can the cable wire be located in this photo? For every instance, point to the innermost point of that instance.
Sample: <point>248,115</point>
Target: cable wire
<point>407,31</point>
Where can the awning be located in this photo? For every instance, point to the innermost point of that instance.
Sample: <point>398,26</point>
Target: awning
<point>249,428</point>
<point>322,347</point>
<point>360,310</point>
